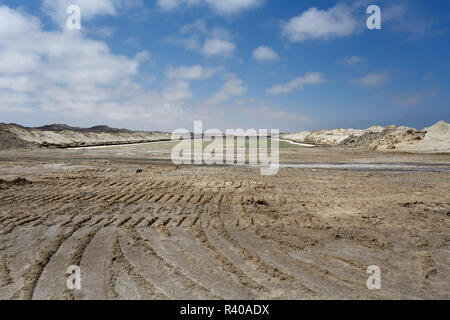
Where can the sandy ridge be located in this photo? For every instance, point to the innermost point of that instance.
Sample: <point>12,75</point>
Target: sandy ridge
<point>15,137</point>
<point>434,139</point>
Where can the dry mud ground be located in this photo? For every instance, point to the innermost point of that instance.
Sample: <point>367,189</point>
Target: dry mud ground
<point>220,232</point>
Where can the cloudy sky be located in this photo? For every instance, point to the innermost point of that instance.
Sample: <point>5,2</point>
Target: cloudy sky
<point>161,64</point>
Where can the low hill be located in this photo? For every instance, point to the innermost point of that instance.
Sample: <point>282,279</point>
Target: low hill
<point>64,127</point>
<point>432,139</point>
<point>13,136</point>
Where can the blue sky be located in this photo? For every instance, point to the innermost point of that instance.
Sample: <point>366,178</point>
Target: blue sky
<point>160,65</point>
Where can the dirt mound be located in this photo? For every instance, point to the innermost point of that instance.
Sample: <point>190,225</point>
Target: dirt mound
<point>336,137</point>
<point>397,138</point>
<point>9,141</point>
<point>433,139</point>
<point>437,137</point>
<point>362,141</point>
<point>298,137</point>
<point>440,129</point>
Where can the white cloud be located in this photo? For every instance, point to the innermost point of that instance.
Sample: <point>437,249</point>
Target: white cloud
<point>209,42</point>
<point>221,7</point>
<point>198,26</point>
<point>196,72</point>
<point>143,56</point>
<point>192,42</point>
<point>89,8</point>
<point>371,80</point>
<point>337,21</point>
<point>265,54</point>
<point>233,87</point>
<point>177,91</point>
<point>298,83</point>
<point>103,31</point>
<point>63,73</point>
<point>407,101</point>
<point>216,47</point>
<point>354,60</point>
<point>131,41</point>
<point>232,6</point>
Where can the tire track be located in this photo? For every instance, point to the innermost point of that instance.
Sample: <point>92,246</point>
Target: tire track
<point>259,265</point>
<point>193,264</point>
<point>5,276</point>
<point>33,271</point>
<point>119,257</point>
<point>189,286</point>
